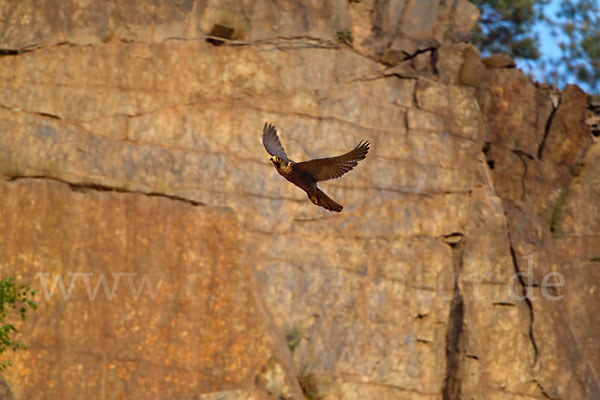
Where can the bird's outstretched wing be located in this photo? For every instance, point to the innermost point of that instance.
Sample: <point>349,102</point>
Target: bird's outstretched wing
<point>323,169</point>
<point>272,143</point>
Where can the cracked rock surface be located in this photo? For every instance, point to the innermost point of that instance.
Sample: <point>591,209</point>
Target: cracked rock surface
<point>130,149</point>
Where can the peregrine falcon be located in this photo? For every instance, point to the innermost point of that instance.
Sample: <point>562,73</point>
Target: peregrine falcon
<point>306,174</point>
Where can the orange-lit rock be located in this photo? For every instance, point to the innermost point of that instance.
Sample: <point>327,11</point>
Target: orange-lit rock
<point>130,147</point>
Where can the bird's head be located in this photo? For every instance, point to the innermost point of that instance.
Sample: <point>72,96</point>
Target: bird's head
<point>277,161</point>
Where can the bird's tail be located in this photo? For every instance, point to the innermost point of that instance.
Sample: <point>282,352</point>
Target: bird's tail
<point>321,199</point>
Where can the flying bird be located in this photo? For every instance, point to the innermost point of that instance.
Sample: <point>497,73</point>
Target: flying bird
<point>306,174</point>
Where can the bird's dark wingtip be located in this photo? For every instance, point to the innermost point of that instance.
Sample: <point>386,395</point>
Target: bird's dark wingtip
<point>363,148</point>
<point>269,128</point>
<point>364,143</point>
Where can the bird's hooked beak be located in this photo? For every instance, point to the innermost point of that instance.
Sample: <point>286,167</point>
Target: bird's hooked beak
<point>276,161</point>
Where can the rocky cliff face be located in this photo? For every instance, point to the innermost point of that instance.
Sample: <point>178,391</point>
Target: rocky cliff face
<point>130,155</point>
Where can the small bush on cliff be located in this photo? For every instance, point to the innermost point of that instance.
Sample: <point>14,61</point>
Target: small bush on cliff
<point>309,385</point>
<point>19,299</point>
<point>293,338</point>
<point>344,37</point>
<point>554,217</point>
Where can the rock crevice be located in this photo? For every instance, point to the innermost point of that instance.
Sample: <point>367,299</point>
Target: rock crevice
<point>123,119</point>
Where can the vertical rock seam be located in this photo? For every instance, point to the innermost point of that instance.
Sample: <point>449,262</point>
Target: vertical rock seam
<point>547,128</point>
<point>452,382</point>
<point>530,307</point>
<point>527,300</point>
